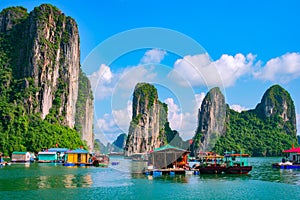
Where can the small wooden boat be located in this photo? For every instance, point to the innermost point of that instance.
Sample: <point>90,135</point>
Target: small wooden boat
<point>100,160</point>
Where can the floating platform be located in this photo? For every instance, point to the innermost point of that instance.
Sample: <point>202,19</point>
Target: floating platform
<point>285,166</point>
<point>77,164</point>
<point>170,171</point>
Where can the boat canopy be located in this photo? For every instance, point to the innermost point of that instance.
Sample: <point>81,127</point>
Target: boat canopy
<point>292,150</point>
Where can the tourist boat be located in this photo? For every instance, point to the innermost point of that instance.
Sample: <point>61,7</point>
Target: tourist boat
<point>230,163</point>
<point>100,160</point>
<point>237,163</point>
<point>291,160</point>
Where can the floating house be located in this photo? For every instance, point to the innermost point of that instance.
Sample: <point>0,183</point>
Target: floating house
<point>77,157</point>
<point>168,159</point>
<point>60,152</point>
<point>18,156</point>
<point>52,155</point>
<point>46,157</point>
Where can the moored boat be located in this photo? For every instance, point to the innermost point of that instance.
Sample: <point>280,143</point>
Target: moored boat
<point>291,160</point>
<point>230,163</point>
<point>100,160</point>
<point>237,163</point>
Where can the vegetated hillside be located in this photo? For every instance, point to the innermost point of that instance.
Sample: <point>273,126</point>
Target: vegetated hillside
<point>42,87</point>
<point>264,131</point>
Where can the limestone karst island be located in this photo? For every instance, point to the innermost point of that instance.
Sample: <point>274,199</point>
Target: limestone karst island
<point>54,143</point>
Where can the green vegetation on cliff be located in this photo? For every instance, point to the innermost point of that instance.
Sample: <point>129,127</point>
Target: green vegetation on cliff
<point>264,131</point>
<point>249,133</point>
<point>20,128</point>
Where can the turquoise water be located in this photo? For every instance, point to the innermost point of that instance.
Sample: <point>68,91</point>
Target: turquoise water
<point>50,181</point>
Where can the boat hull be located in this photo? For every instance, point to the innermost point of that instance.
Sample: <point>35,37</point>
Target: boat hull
<point>238,170</point>
<point>212,170</point>
<point>278,166</point>
<point>225,170</point>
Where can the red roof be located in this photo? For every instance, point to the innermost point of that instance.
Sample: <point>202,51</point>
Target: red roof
<point>292,150</point>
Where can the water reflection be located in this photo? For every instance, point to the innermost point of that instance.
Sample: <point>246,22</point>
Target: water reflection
<point>74,181</point>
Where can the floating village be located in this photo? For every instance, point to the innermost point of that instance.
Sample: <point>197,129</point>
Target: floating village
<point>166,160</point>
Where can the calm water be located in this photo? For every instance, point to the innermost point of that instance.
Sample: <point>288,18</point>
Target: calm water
<point>50,181</point>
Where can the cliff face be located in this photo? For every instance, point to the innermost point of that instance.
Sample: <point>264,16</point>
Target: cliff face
<point>264,131</point>
<point>211,121</point>
<point>85,111</point>
<point>147,128</point>
<point>45,59</point>
<point>277,101</point>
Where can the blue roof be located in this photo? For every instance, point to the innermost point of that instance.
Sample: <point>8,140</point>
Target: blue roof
<point>58,149</point>
<point>78,151</point>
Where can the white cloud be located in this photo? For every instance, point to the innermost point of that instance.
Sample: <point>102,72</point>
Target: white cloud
<point>133,75</point>
<point>184,122</point>
<point>153,56</point>
<point>281,69</point>
<point>232,68</point>
<point>101,82</point>
<point>238,108</point>
<point>200,70</point>
<point>115,123</point>
<point>104,82</point>
<point>174,114</point>
<point>199,98</point>
<point>122,117</point>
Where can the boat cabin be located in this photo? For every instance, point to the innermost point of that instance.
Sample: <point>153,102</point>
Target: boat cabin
<point>169,157</point>
<point>18,156</point>
<point>293,154</point>
<point>236,159</point>
<point>77,157</point>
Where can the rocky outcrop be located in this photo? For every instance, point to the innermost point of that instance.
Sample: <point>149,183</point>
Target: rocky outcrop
<point>45,59</point>
<point>211,121</point>
<point>276,101</point>
<point>149,116</point>
<point>85,111</point>
<point>119,143</point>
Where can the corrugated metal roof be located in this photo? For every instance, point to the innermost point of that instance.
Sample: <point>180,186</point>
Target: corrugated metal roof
<point>19,152</point>
<point>168,146</point>
<point>78,151</point>
<point>47,152</point>
<point>58,149</point>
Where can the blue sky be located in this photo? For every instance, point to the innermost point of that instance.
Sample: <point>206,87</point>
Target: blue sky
<point>251,44</point>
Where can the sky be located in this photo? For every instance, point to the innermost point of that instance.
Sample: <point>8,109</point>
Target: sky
<point>184,48</point>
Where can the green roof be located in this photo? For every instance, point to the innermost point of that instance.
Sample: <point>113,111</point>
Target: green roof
<point>18,152</point>
<point>168,146</point>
